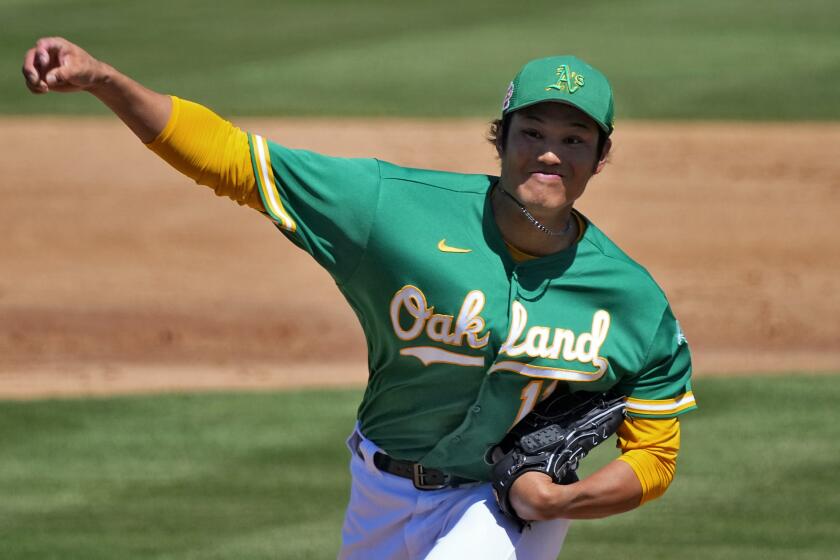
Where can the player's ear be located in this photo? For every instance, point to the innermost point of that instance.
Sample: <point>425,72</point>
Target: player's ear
<point>602,159</point>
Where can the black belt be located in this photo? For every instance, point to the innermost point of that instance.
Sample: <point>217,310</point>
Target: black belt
<point>423,478</point>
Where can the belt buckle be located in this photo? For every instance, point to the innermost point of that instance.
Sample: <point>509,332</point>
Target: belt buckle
<point>420,479</point>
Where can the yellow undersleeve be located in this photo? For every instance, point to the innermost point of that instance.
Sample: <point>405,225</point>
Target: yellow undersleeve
<point>210,150</point>
<point>650,447</point>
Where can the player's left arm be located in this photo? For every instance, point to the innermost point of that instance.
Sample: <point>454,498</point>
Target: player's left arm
<point>643,472</point>
<point>649,438</point>
<point>613,489</point>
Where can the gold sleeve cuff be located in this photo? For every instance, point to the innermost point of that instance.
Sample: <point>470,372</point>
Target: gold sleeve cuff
<point>210,150</point>
<point>650,447</point>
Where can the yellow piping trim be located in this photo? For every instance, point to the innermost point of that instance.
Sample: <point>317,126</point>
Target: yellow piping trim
<point>268,187</point>
<point>664,406</point>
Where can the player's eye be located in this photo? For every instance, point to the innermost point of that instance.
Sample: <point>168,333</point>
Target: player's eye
<point>573,140</point>
<point>532,133</point>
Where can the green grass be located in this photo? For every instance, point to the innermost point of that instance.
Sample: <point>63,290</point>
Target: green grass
<point>180,476</point>
<point>756,479</point>
<point>752,59</point>
<point>263,475</point>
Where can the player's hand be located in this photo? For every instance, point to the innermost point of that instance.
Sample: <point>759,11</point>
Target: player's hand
<point>56,64</point>
<point>535,497</point>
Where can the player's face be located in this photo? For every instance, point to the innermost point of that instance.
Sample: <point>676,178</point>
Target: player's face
<point>550,155</point>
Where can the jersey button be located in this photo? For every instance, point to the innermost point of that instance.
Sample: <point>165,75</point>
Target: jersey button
<point>476,409</point>
<point>456,440</point>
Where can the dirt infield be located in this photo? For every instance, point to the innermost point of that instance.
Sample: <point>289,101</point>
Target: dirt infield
<point>119,275</point>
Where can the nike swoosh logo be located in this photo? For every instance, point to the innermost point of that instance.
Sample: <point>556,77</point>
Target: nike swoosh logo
<point>447,249</point>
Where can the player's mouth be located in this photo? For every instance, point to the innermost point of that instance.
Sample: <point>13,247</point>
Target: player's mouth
<point>547,177</point>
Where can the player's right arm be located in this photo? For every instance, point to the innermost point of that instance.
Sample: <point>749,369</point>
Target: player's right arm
<point>325,205</point>
<point>190,137</point>
<point>56,64</point>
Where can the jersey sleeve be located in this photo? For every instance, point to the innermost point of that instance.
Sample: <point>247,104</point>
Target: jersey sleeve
<point>662,386</point>
<point>325,205</point>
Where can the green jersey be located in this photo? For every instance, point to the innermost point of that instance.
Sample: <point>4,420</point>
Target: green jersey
<point>462,340</point>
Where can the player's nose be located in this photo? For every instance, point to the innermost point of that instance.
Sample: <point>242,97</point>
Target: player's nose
<point>550,157</point>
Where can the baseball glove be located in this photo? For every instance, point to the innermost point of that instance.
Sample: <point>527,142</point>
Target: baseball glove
<point>552,439</point>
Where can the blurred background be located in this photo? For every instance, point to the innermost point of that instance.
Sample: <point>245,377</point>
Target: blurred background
<point>163,385</point>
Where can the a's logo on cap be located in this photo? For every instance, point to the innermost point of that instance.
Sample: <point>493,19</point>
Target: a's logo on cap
<point>508,95</point>
<point>567,80</point>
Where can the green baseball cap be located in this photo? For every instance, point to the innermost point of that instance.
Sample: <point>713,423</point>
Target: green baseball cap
<point>563,79</point>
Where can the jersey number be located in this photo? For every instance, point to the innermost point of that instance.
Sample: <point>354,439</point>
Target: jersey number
<point>531,394</point>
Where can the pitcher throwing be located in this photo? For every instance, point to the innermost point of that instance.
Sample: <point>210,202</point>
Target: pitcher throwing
<point>480,296</point>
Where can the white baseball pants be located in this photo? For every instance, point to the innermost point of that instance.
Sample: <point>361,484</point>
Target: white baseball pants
<point>388,518</point>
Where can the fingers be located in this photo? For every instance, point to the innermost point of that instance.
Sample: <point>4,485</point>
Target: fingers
<point>47,52</point>
<point>43,59</point>
<point>50,65</point>
<point>39,60</point>
<point>48,46</point>
<point>33,77</point>
<point>54,78</point>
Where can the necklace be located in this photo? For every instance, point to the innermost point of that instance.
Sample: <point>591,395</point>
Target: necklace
<point>536,223</point>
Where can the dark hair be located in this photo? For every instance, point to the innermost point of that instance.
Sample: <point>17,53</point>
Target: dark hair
<point>498,133</point>
<point>499,127</point>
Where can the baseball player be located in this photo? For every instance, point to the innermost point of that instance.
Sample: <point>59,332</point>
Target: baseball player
<point>479,296</point>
